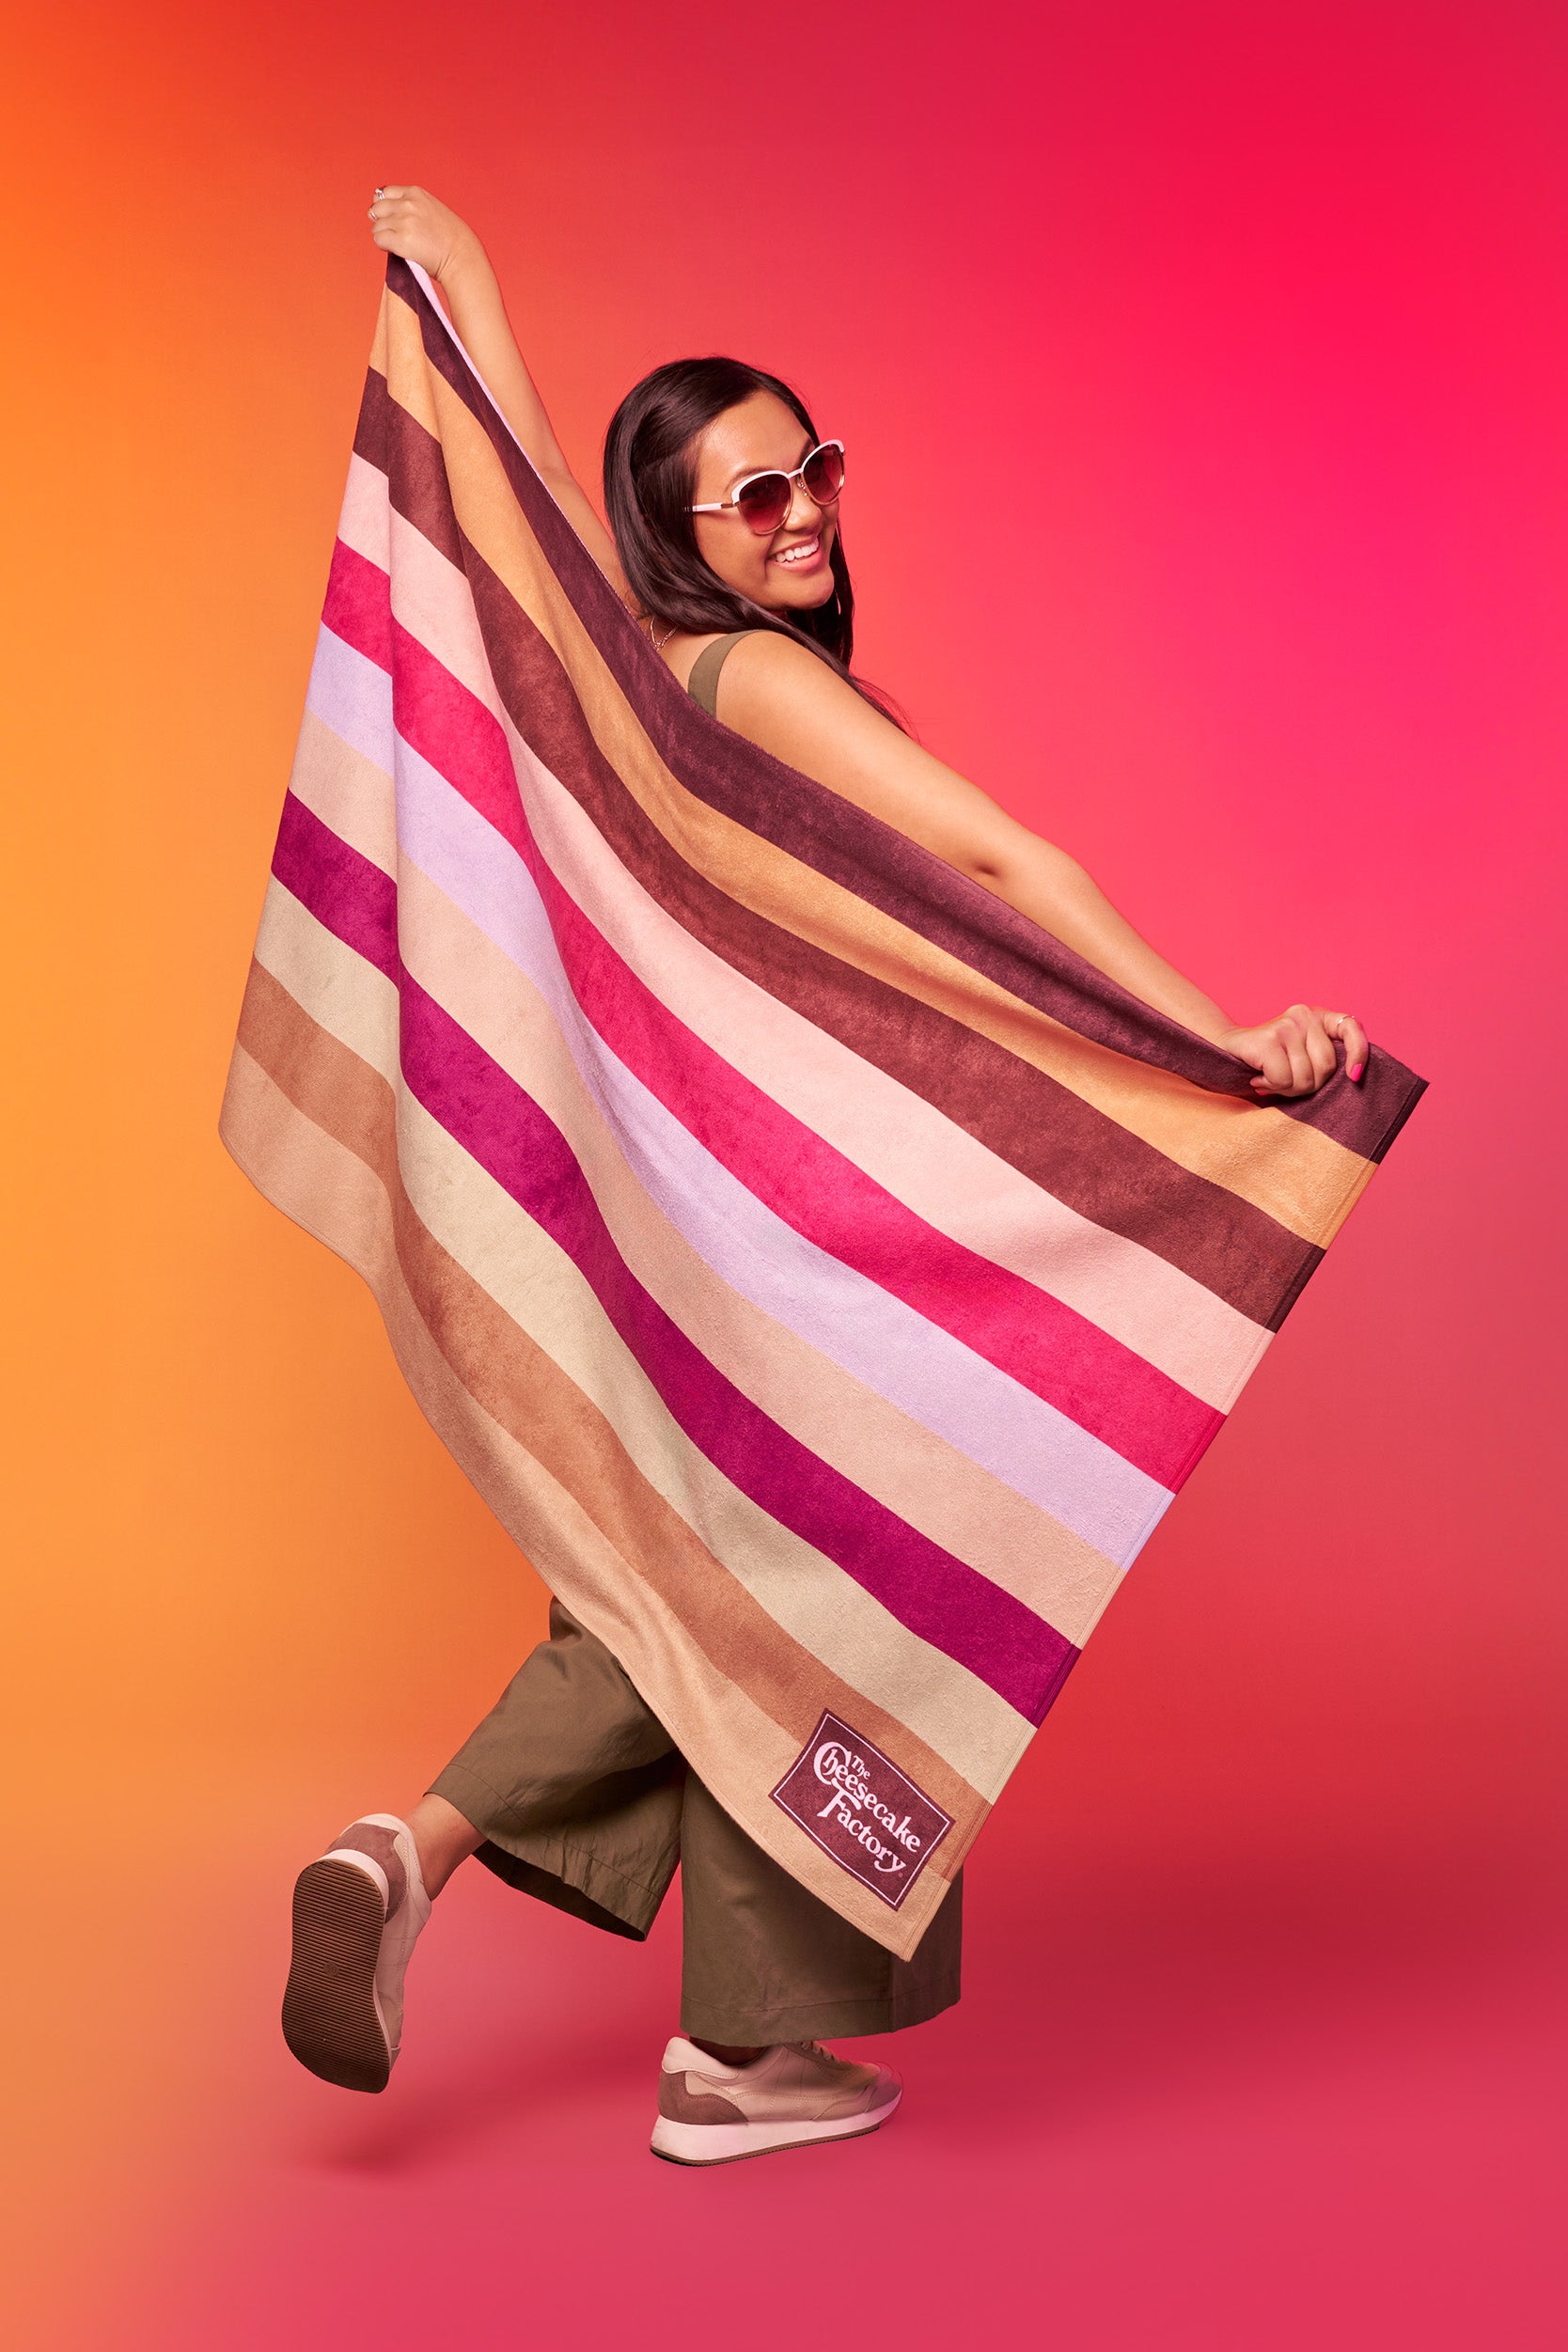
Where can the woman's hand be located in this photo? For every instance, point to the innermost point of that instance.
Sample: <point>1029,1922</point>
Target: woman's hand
<point>1296,1053</point>
<point>414,225</point>
<point>417,226</point>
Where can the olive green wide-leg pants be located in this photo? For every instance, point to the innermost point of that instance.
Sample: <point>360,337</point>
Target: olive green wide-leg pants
<point>584,1800</point>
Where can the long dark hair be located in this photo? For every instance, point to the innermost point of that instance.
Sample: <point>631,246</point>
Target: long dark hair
<point>649,473</point>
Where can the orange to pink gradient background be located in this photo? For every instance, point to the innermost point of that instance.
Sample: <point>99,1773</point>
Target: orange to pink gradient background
<point>1203,372</point>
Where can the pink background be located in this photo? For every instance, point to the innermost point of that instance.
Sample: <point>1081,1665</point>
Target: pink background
<point>1202,369</point>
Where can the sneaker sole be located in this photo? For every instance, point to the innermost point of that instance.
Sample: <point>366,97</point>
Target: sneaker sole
<point>330,2019</point>
<point>731,2144</point>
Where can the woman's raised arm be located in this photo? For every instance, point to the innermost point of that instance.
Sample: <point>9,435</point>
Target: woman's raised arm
<point>410,222</point>
<point>783,697</point>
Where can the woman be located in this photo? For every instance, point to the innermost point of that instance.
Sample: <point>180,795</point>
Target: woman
<point>725,508</point>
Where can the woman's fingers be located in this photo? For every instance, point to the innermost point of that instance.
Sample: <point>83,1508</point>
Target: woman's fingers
<point>1290,1054</point>
<point>405,220</point>
<point>1293,1036</point>
<point>1274,1058</point>
<point>1353,1039</point>
<point>1314,1022</point>
<point>394,208</point>
<point>1295,1054</point>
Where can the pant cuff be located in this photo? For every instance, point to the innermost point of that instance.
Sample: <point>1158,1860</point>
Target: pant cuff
<point>546,1865</point>
<point>818,2020</point>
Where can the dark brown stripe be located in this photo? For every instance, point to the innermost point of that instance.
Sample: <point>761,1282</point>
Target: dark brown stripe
<point>1365,1116</point>
<point>398,446</point>
<point>526,1391</point>
<point>1026,1117</point>
<point>874,860</point>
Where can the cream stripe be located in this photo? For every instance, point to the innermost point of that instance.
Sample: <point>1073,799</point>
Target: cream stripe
<point>352,797</point>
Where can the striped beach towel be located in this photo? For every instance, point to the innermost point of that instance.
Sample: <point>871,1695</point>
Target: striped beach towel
<point>826,1276</point>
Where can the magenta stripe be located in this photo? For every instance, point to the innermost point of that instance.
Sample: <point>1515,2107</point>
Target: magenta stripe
<point>1059,1355</point>
<point>355,901</point>
<point>939,1598</point>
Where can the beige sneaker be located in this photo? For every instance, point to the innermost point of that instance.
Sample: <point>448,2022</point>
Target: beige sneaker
<point>357,1911</point>
<point>793,2094</point>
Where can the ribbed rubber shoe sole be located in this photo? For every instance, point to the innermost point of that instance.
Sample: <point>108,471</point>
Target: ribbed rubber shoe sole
<point>329,2004</point>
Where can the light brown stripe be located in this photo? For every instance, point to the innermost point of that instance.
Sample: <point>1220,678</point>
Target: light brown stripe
<point>299,1168</point>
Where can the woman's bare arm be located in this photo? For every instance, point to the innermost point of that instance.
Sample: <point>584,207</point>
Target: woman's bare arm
<point>786,699</point>
<point>407,221</point>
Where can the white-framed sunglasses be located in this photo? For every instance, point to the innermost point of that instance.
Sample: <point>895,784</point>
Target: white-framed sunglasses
<point>764,499</point>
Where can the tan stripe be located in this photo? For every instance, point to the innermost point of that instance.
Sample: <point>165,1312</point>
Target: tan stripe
<point>359,1008</point>
<point>352,796</point>
<point>736,1747</point>
<point>1291,1171</point>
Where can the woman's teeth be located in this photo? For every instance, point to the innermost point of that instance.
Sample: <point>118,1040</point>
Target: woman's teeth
<point>799,555</point>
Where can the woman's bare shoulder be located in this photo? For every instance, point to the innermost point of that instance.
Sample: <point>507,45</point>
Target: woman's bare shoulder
<point>777,691</point>
<point>783,696</point>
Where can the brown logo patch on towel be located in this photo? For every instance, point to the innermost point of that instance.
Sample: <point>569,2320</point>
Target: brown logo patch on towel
<point>858,1806</point>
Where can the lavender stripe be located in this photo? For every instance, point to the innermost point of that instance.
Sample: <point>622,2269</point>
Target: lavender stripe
<point>888,1346</point>
<point>942,1600</point>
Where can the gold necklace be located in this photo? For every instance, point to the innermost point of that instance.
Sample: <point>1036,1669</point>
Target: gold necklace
<point>658,643</point>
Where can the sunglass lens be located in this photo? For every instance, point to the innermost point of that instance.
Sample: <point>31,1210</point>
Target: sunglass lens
<point>824,474</point>
<point>766,501</point>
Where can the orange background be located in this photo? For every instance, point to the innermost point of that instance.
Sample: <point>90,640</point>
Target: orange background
<point>1201,370</point>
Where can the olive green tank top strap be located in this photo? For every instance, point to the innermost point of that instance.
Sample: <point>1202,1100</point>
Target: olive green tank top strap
<point>702,685</point>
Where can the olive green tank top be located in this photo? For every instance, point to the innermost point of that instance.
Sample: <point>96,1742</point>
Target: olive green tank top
<point>702,685</point>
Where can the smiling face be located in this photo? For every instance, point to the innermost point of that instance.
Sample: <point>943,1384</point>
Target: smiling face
<point>789,571</point>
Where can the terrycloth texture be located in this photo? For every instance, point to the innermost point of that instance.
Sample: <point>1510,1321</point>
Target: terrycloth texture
<point>826,1276</point>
